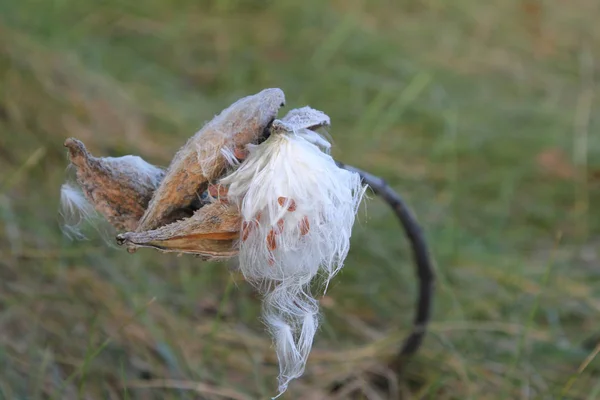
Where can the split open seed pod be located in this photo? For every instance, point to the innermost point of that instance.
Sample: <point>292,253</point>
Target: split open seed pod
<point>206,155</point>
<point>119,188</point>
<point>212,233</point>
<point>284,206</point>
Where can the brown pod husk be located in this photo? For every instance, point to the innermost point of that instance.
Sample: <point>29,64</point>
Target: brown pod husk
<point>212,232</point>
<point>205,156</point>
<point>119,188</point>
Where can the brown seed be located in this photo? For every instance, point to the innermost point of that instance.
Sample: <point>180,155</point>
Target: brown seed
<point>279,226</point>
<point>247,227</point>
<point>245,231</point>
<point>304,226</point>
<point>240,153</point>
<point>218,191</point>
<point>271,241</point>
<point>291,204</point>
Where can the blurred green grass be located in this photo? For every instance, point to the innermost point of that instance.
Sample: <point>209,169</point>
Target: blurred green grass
<point>484,115</point>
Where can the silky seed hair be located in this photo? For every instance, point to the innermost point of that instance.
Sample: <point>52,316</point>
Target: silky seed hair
<point>75,211</point>
<point>298,209</point>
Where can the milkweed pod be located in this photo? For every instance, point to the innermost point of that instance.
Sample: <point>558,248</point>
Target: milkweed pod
<point>212,232</point>
<point>303,118</point>
<point>303,122</point>
<point>118,188</point>
<point>207,154</point>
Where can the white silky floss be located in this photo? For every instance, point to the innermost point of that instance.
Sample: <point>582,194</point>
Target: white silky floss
<point>75,210</point>
<point>298,208</point>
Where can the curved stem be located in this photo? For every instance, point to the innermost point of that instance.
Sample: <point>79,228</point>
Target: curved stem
<point>423,263</point>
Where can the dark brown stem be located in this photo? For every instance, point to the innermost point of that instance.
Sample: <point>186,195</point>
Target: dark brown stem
<point>423,263</point>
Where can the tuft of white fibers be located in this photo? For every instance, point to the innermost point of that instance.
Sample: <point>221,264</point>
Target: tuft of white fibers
<point>230,157</point>
<point>298,208</point>
<point>75,210</point>
<point>209,151</point>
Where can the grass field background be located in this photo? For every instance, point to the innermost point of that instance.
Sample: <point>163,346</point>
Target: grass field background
<point>483,115</point>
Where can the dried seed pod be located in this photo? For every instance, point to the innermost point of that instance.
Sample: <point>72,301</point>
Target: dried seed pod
<point>119,188</point>
<point>302,118</point>
<point>303,122</point>
<point>212,232</point>
<point>206,155</point>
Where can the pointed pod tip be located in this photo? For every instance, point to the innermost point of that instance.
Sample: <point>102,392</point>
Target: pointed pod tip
<point>276,94</point>
<point>271,99</point>
<point>72,143</point>
<point>76,149</point>
<point>121,239</point>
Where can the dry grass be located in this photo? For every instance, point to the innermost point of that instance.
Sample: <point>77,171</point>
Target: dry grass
<point>483,115</point>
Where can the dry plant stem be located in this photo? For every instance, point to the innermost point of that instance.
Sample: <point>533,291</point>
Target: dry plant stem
<point>423,263</point>
<point>115,186</point>
<point>203,158</point>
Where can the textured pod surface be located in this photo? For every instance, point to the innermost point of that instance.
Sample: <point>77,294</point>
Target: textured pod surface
<point>212,232</point>
<point>119,188</point>
<point>304,121</point>
<point>302,118</point>
<point>206,155</point>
